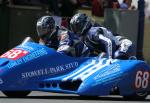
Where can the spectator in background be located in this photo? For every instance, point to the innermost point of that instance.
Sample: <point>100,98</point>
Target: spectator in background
<point>64,9</point>
<point>97,8</point>
<point>111,4</point>
<point>68,8</point>
<point>54,7</point>
<point>115,4</point>
<point>85,3</point>
<point>147,9</point>
<point>126,4</point>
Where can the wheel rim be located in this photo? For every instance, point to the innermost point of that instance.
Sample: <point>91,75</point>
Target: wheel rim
<point>142,94</point>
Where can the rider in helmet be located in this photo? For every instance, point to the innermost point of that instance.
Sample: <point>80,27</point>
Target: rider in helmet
<point>59,38</point>
<point>98,38</point>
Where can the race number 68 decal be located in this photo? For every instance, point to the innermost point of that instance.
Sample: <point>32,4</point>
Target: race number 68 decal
<point>14,54</point>
<point>142,79</point>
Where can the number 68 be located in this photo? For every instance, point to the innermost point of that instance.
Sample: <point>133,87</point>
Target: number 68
<point>142,79</point>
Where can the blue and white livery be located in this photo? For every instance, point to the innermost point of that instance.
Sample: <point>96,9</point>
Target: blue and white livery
<point>34,67</point>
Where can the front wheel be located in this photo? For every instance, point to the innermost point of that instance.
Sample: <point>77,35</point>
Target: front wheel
<point>15,94</point>
<point>137,96</point>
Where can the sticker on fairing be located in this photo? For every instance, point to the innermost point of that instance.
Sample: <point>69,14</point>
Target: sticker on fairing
<point>142,79</point>
<point>14,54</point>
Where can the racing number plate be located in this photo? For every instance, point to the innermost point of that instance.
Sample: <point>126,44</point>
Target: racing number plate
<point>142,79</point>
<point>14,54</point>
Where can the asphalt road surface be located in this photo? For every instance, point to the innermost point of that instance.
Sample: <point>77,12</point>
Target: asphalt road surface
<point>42,97</point>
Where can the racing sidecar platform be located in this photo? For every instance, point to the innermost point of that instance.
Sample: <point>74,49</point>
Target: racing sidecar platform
<point>34,67</point>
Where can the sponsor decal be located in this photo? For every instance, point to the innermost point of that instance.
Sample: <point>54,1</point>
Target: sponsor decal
<point>35,55</point>
<point>85,74</point>
<point>15,63</point>
<point>49,71</point>
<point>91,70</point>
<point>113,69</point>
<point>25,47</point>
<point>28,57</point>
<point>142,79</point>
<point>80,70</point>
<point>108,75</point>
<point>14,54</point>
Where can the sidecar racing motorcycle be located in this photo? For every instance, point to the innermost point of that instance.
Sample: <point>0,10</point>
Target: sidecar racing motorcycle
<point>34,67</point>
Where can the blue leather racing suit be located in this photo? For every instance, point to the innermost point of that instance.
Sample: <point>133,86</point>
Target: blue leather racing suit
<point>99,39</point>
<point>65,42</point>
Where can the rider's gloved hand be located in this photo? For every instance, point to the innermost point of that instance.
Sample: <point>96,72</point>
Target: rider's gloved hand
<point>120,55</point>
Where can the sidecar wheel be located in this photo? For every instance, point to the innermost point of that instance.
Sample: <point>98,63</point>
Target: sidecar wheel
<point>137,96</point>
<point>16,94</point>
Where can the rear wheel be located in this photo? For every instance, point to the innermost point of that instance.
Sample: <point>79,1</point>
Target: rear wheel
<point>15,94</point>
<point>137,96</point>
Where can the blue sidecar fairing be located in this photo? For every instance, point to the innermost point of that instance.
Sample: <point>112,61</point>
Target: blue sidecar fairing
<point>34,67</point>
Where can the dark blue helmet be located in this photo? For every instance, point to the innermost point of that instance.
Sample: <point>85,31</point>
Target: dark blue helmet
<point>45,26</point>
<point>79,23</point>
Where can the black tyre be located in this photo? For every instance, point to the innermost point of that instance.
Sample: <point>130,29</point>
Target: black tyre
<point>87,97</point>
<point>16,94</point>
<point>137,96</point>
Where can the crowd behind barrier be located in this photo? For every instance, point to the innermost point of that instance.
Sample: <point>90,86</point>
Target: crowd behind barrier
<point>64,18</point>
<point>67,8</point>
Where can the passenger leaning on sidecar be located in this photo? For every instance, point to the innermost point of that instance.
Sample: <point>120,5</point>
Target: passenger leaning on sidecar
<point>59,38</point>
<point>100,39</point>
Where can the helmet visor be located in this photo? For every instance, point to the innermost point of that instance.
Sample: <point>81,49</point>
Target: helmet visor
<point>44,31</point>
<point>77,27</point>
